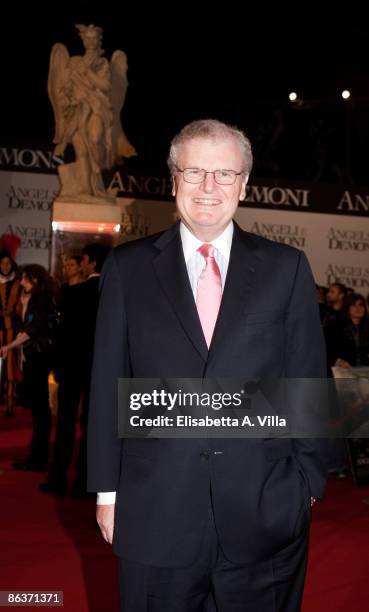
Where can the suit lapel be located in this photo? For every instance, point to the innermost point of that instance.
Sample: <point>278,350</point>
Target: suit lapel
<point>171,271</point>
<point>239,286</point>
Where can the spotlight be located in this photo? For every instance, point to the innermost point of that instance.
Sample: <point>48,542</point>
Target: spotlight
<point>346,94</point>
<point>292,96</point>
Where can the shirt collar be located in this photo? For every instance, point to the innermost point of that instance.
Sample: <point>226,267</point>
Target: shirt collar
<point>190,243</point>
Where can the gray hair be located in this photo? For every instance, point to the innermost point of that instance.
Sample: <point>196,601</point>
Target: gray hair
<point>214,130</point>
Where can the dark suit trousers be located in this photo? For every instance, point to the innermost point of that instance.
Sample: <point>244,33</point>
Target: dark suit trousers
<point>214,584</point>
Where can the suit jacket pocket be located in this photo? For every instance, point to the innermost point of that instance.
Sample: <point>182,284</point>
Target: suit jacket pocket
<point>264,317</point>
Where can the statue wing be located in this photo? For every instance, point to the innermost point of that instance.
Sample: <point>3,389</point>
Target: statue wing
<point>119,84</point>
<point>59,59</point>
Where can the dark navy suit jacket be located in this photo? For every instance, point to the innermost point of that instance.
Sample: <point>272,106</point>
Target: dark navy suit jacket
<point>268,326</point>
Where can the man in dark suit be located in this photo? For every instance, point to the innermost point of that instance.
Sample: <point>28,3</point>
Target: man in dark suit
<point>220,518</point>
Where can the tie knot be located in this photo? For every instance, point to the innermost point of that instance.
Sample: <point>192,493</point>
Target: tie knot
<point>206,250</point>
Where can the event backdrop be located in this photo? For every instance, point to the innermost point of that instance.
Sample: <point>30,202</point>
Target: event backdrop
<point>329,222</point>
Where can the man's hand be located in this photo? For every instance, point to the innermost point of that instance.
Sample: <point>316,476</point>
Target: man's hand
<point>105,520</point>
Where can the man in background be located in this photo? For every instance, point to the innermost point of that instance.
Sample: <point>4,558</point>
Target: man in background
<point>335,301</point>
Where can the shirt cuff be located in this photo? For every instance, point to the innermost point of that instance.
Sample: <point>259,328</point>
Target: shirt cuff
<point>104,499</point>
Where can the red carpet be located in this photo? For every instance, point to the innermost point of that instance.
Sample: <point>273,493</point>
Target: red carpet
<point>49,543</point>
<point>53,544</point>
<point>338,572</point>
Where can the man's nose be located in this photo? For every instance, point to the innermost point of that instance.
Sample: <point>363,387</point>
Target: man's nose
<point>208,183</point>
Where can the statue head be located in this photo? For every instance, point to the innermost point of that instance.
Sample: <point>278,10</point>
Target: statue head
<point>91,36</point>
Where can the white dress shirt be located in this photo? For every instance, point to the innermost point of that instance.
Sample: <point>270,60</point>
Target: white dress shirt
<point>195,263</point>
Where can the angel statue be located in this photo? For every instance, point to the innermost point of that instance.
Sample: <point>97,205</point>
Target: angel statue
<point>87,94</point>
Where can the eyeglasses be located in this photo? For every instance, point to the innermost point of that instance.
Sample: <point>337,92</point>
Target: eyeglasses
<point>198,175</point>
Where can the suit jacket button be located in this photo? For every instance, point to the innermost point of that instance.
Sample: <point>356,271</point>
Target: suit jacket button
<point>204,455</point>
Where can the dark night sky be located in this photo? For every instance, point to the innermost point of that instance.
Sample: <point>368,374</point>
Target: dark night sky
<point>183,66</point>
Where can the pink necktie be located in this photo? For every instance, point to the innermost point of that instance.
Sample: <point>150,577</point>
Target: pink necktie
<point>209,292</point>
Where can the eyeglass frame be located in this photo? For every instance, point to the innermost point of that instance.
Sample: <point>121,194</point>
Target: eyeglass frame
<point>236,174</point>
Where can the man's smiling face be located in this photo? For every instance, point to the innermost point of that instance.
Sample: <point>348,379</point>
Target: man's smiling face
<point>206,208</point>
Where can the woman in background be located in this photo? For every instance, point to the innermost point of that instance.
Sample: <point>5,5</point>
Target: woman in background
<point>348,339</point>
<point>37,342</point>
<point>9,297</point>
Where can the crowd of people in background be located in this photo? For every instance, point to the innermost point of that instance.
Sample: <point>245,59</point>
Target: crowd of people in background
<point>49,328</point>
<point>345,320</point>
<point>344,316</point>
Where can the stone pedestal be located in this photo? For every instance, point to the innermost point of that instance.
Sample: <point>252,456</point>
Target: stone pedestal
<point>75,224</point>
<point>95,215</point>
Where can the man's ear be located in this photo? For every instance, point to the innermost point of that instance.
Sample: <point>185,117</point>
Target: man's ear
<point>243,187</point>
<point>174,189</point>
